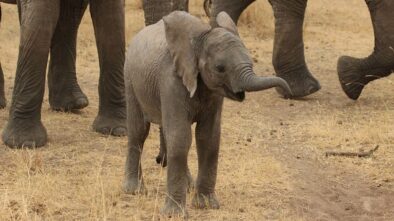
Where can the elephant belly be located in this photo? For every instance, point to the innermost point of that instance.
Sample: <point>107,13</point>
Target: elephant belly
<point>146,91</point>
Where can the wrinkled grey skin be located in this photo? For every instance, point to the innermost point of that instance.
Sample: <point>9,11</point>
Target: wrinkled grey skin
<point>155,10</point>
<point>288,55</point>
<point>51,26</point>
<point>64,91</point>
<point>355,73</point>
<point>177,73</point>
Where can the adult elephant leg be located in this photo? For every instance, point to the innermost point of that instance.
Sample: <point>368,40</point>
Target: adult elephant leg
<point>109,26</point>
<point>2,95</point>
<point>64,91</point>
<point>232,7</point>
<point>355,73</point>
<point>38,22</point>
<point>155,10</point>
<point>288,55</point>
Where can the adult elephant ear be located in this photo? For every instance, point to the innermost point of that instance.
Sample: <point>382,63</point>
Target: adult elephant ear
<point>182,33</point>
<point>224,21</point>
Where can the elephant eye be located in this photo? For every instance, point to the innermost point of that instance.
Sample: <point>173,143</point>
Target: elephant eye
<point>220,68</point>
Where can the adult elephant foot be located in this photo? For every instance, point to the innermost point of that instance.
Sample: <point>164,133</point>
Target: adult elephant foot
<point>205,201</point>
<point>110,125</point>
<point>135,187</point>
<point>355,73</point>
<point>68,97</point>
<point>21,133</point>
<point>288,55</point>
<point>173,209</point>
<point>64,91</point>
<point>301,83</point>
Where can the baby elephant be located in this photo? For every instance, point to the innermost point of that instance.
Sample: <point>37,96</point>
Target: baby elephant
<point>177,72</point>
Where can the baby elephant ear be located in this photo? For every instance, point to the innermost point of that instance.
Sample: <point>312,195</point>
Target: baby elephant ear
<point>182,30</point>
<point>224,21</point>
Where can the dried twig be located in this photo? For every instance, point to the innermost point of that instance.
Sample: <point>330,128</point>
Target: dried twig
<point>352,154</point>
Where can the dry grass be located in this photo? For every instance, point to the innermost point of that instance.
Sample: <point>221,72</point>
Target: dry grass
<point>272,164</point>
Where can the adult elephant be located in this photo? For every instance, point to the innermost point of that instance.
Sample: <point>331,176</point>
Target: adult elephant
<point>288,55</point>
<point>51,26</point>
<point>2,94</point>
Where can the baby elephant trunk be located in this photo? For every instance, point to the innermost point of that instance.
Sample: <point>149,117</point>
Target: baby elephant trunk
<point>252,82</point>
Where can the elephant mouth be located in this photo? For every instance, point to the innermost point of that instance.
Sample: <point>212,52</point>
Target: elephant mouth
<point>237,96</point>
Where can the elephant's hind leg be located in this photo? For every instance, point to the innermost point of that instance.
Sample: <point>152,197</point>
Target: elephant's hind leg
<point>138,130</point>
<point>64,91</point>
<point>108,20</point>
<point>355,73</point>
<point>2,94</point>
<point>38,22</point>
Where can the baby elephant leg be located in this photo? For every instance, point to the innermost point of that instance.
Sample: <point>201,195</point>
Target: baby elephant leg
<point>207,140</point>
<point>162,160</point>
<point>178,140</point>
<point>138,130</point>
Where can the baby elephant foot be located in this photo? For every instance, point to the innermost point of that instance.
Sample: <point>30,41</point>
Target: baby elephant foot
<point>135,187</point>
<point>173,209</point>
<point>24,133</point>
<point>110,125</point>
<point>301,83</point>
<point>68,100</point>
<point>205,201</point>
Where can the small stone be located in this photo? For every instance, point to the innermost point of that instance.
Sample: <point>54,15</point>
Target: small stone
<point>339,122</point>
<point>249,140</point>
<point>241,210</point>
<point>291,104</point>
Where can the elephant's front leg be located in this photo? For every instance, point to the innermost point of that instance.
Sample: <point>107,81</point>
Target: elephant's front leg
<point>2,94</point>
<point>208,141</point>
<point>64,91</point>
<point>288,55</point>
<point>162,160</point>
<point>109,26</point>
<point>178,137</point>
<point>38,22</point>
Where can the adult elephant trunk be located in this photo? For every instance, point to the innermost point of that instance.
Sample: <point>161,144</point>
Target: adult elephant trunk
<point>288,54</point>
<point>251,82</point>
<point>155,10</point>
<point>234,8</point>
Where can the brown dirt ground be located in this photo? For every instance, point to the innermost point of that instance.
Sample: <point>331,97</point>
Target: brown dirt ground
<point>272,164</point>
